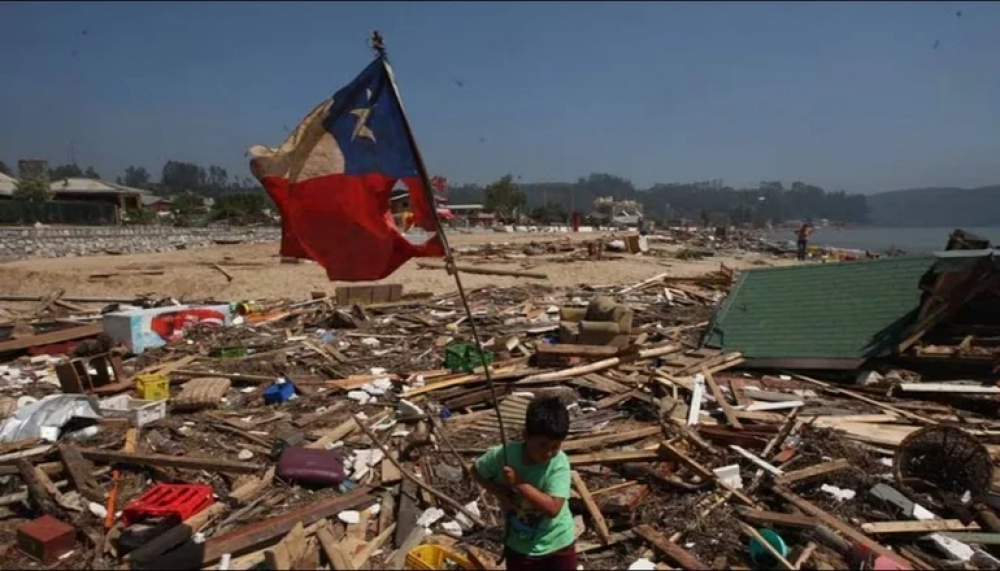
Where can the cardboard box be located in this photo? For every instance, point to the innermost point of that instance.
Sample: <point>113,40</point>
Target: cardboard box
<point>142,329</point>
<point>45,539</point>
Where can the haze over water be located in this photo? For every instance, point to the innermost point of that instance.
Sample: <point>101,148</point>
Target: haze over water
<point>912,240</point>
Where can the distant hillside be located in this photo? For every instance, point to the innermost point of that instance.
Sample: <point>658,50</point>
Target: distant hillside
<point>712,200</point>
<point>957,207</point>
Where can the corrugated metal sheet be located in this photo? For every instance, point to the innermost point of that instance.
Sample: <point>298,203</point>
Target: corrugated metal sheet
<point>847,310</point>
<point>79,185</point>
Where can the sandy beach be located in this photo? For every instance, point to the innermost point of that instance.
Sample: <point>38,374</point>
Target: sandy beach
<point>188,274</point>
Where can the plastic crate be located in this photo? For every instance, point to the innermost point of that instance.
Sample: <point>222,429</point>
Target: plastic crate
<point>435,557</point>
<point>180,501</point>
<point>139,412</point>
<point>462,357</point>
<point>152,387</point>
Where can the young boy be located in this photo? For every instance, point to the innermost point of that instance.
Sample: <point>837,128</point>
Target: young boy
<point>534,490</point>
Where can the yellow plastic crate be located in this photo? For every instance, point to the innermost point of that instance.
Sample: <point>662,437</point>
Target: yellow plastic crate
<point>433,558</point>
<point>152,387</point>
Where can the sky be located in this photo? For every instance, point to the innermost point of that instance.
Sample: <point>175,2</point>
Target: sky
<point>864,97</point>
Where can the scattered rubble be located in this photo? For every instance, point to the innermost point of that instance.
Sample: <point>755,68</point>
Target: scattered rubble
<point>339,431</point>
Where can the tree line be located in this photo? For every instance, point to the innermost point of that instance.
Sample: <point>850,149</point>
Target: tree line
<point>708,202</point>
<point>187,185</point>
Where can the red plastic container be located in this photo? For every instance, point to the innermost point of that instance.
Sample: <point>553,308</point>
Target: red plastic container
<point>169,500</point>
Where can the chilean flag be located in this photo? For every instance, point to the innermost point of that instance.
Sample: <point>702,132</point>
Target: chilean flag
<point>332,177</point>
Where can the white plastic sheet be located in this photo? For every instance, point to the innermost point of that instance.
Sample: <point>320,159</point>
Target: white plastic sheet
<point>53,411</point>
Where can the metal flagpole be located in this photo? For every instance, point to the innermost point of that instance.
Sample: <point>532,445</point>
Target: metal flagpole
<point>378,44</point>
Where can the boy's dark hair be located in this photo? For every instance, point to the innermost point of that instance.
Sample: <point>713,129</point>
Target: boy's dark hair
<point>547,417</point>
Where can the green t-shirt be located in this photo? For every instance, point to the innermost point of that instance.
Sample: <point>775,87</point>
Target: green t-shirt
<point>529,532</point>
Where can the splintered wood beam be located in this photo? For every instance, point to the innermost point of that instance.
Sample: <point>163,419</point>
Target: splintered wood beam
<point>720,399</point>
<point>813,471</point>
<point>675,552</point>
<point>837,524</point>
<point>766,518</point>
<point>607,458</point>
<point>928,526</point>
<point>164,461</point>
<point>588,501</point>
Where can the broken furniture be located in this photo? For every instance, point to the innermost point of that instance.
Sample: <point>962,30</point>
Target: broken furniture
<point>75,374</point>
<point>603,322</point>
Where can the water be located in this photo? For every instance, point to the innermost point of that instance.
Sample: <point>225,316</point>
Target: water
<point>912,240</point>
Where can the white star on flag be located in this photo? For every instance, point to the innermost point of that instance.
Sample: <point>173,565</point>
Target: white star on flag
<point>363,114</point>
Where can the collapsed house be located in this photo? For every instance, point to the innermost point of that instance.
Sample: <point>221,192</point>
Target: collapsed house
<point>916,311</point>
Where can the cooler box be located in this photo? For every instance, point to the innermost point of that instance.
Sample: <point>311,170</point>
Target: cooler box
<point>142,329</point>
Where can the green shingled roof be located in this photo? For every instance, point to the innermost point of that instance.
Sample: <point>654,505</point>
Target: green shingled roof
<point>845,310</point>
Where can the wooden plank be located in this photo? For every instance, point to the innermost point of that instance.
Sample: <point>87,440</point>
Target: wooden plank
<point>290,549</point>
<point>163,461</point>
<point>571,350</point>
<point>588,501</point>
<point>38,484</point>
<point>51,338</point>
<point>196,556</point>
<point>390,473</point>
<point>339,432</point>
<point>407,512</point>
<point>484,271</point>
<point>887,407</point>
<point>813,471</point>
<point>175,535</point>
<point>253,487</point>
<point>667,450</point>
<point>606,458</point>
<point>338,557</point>
<point>981,538</point>
<point>720,399</point>
<point>614,400</point>
<point>926,526</point>
<point>80,472</point>
<point>675,552</point>
<point>413,539</point>
<point>836,524</point>
<point>387,511</point>
<point>947,388</point>
<point>766,518</point>
<point>370,547</point>
<point>608,440</point>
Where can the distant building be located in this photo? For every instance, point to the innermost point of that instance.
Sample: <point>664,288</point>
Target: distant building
<point>8,185</point>
<point>471,215</point>
<point>155,203</point>
<point>122,197</point>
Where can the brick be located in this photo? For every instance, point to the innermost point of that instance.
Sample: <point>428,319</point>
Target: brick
<point>45,539</point>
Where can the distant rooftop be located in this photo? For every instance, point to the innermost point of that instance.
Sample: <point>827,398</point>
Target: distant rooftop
<point>81,185</point>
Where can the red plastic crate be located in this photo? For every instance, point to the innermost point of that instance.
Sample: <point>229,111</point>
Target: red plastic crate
<point>164,500</point>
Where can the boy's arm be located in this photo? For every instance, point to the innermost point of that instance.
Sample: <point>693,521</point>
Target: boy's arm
<point>557,486</point>
<point>486,469</point>
<point>489,485</point>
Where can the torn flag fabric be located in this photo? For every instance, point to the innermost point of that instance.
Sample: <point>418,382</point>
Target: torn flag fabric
<point>332,179</point>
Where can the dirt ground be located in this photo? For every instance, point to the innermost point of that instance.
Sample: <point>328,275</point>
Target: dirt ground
<point>188,274</point>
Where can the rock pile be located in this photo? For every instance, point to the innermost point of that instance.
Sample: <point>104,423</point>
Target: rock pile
<point>19,243</point>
